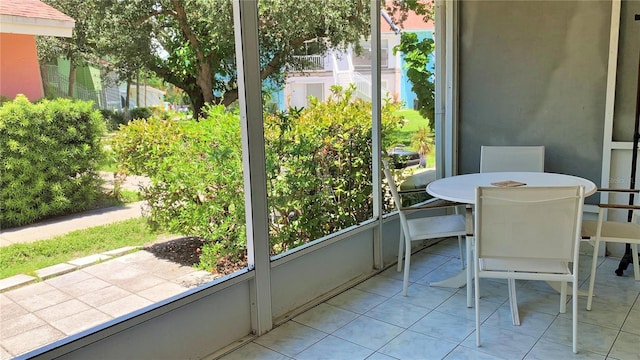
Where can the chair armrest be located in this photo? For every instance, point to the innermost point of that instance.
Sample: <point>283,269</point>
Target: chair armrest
<point>619,206</point>
<point>411,191</point>
<point>619,190</point>
<point>435,204</point>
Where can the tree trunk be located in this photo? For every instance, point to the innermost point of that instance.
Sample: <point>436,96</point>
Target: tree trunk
<point>72,78</point>
<point>197,102</point>
<point>127,95</point>
<point>45,82</point>
<point>205,81</point>
<point>138,90</point>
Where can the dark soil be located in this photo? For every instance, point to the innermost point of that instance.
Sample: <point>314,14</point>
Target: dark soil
<point>186,251</point>
<point>182,250</point>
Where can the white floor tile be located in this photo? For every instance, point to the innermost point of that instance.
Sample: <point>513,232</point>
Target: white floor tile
<point>591,338</point>
<point>434,323</point>
<point>632,323</point>
<point>626,346</point>
<point>397,312</point>
<point>532,323</point>
<point>333,348</point>
<point>545,350</point>
<point>465,353</point>
<point>444,326</point>
<point>426,296</point>
<point>290,338</point>
<point>254,351</point>
<point>357,301</point>
<point>325,317</point>
<point>501,342</point>
<point>411,345</point>
<point>368,332</point>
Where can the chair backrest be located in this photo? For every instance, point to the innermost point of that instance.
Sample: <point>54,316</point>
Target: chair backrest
<point>511,158</point>
<point>396,196</point>
<point>529,222</point>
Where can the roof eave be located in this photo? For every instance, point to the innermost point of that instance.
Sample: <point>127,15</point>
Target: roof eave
<point>36,26</point>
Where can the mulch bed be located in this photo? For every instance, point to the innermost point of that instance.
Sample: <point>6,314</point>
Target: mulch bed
<point>186,251</point>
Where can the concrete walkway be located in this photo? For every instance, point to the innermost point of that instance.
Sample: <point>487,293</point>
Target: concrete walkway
<point>63,225</point>
<point>71,297</point>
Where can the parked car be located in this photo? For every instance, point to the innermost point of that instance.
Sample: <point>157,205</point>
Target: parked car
<point>403,158</point>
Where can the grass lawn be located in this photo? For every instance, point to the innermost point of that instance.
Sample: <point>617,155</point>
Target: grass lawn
<point>27,258</point>
<point>415,121</point>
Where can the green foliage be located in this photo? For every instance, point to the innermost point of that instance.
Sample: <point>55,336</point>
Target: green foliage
<point>140,113</point>
<point>413,122</point>
<point>318,173</point>
<point>319,167</point>
<point>49,152</point>
<point>140,147</point>
<point>29,257</point>
<point>416,56</point>
<point>113,119</point>
<point>196,177</point>
<point>423,141</point>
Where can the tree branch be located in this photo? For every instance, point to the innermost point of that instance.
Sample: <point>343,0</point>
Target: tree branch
<point>153,14</point>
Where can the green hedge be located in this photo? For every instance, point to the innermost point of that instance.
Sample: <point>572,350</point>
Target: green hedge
<point>196,177</point>
<point>49,153</point>
<point>318,173</point>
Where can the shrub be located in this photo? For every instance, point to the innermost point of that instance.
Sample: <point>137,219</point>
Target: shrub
<point>319,167</point>
<point>113,119</point>
<point>318,172</point>
<point>196,178</point>
<point>49,152</point>
<point>140,113</point>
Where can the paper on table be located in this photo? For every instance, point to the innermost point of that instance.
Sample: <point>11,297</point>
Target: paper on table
<point>508,183</point>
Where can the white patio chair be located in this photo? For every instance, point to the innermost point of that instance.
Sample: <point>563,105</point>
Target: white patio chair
<point>511,158</point>
<point>528,233</point>
<point>508,158</point>
<point>602,230</point>
<point>423,228</point>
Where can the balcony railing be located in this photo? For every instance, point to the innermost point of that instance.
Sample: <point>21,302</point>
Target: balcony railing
<point>312,62</point>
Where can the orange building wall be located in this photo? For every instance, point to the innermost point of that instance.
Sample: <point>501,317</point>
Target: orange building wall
<point>19,70</point>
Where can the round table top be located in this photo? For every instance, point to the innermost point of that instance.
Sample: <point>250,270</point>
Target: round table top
<point>462,188</point>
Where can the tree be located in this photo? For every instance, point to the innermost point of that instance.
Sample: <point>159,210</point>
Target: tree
<point>79,47</point>
<point>416,57</point>
<point>416,53</point>
<point>191,42</point>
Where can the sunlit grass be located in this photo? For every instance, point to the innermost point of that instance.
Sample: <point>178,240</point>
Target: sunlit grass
<point>414,122</point>
<point>28,257</point>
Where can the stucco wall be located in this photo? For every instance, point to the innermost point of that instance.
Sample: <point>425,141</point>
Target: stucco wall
<point>19,70</point>
<point>534,73</point>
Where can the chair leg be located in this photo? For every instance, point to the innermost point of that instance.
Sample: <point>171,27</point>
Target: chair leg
<point>513,302</point>
<point>470,270</point>
<point>592,278</point>
<point>574,318</point>
<point>563,297</point>
<point>400,249</point>
<point>636,264</point>
<point>476,282</point>
<point>407,264</point>
<point>462,251</point>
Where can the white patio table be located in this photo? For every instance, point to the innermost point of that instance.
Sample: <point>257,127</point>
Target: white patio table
<point>462,188</point>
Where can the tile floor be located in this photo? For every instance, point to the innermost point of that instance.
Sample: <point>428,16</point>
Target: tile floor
<point>374,321</point>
